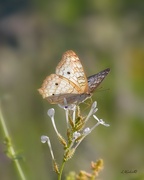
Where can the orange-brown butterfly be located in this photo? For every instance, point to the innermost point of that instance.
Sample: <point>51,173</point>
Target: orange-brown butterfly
<point>70,83</point>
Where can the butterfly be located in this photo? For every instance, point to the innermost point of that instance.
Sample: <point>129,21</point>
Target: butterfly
<point>69,84</point>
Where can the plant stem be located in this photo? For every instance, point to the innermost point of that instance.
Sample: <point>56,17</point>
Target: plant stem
<point>61,169</point>
<point>10,147</point>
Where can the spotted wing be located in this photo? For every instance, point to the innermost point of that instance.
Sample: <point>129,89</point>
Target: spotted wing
<point>55,88</point>
<point>71,68</point>
<point>95,80</point>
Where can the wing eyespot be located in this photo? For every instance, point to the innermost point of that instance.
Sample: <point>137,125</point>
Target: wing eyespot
<point>68,72</point>
<point>56,84</point>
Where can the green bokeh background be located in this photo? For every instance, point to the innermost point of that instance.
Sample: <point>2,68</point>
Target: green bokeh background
<point>33,37</point>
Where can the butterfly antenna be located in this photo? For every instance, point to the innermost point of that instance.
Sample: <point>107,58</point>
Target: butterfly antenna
<point>88,103</point>
<point>100,89</point>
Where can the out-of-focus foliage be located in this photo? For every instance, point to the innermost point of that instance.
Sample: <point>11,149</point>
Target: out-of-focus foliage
<point>33,36</point>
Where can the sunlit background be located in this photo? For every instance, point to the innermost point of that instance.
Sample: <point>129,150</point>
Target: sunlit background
<point>33,37</point>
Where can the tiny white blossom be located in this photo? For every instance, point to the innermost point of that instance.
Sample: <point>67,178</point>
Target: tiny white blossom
<point>44,139</point>
<point>51,112</point>
<point>94,105</point>
<point>67,106</point>
<point>100,121</point>
<point>76,135</point>
<point>86,131</point>
<point>103,123</point>
<point>71,107</point>
<point>92,111</point>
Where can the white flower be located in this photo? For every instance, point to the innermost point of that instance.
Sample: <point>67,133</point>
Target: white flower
<point>92,111</point>
<point>44,139</point>
<point>51,112</point>
<point>86,131</point>
<point>100,121</point>
<point>76,130</point>
<point>76,135</point>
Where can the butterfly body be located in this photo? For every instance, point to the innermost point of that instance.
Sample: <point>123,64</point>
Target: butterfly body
<point>70,83</point>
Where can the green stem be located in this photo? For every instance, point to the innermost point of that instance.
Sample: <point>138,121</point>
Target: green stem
<point>61,169</point>
<point>10,147</point>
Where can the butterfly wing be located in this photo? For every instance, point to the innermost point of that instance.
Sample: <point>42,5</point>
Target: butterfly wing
<point>70,81</point>
<point>71,68</point>
<point>55,88</point>
<point>95,80</point>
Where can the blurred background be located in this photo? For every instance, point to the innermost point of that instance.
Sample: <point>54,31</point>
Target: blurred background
<point>33,37</point>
